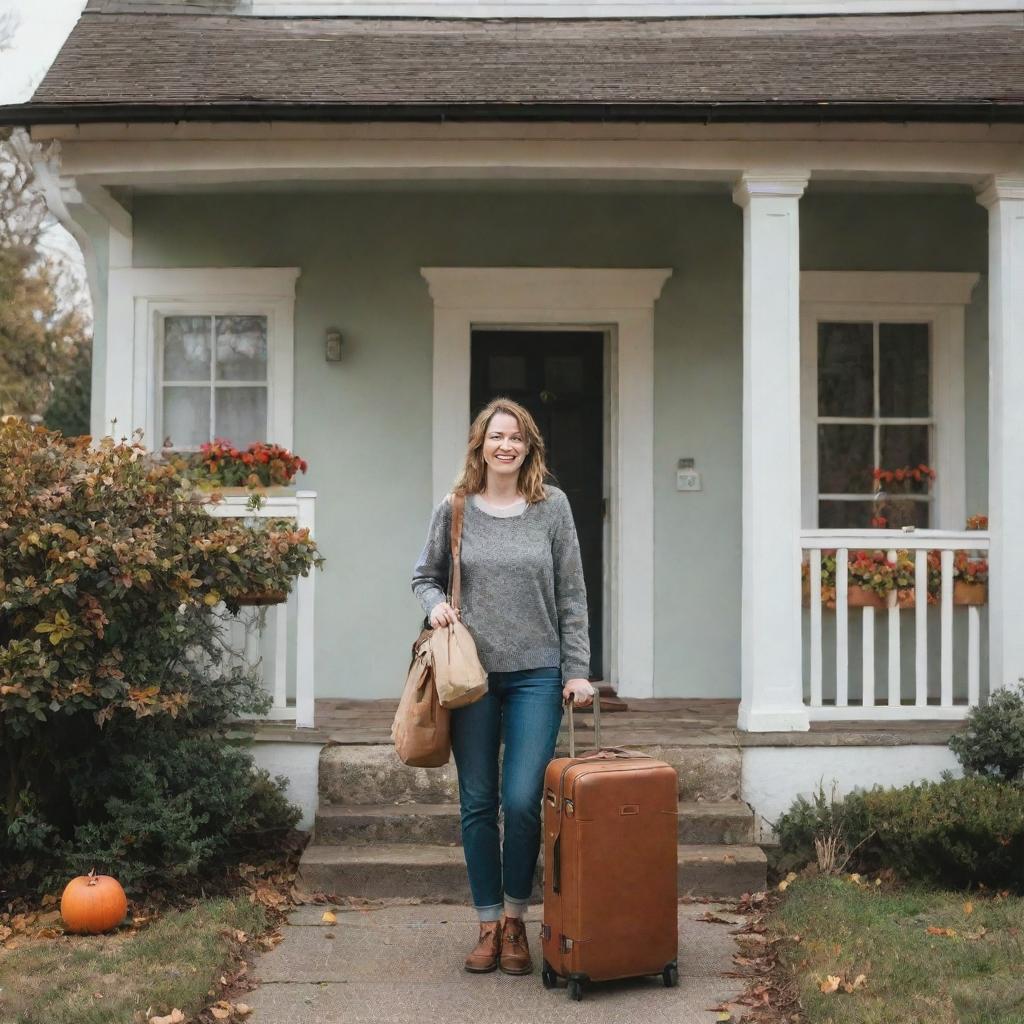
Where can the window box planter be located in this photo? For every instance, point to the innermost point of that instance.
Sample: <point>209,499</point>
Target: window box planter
<point>259,598</point>
<point>970,593</point>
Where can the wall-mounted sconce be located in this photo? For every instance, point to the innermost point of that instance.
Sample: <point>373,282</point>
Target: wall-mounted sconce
<point>332,345</point>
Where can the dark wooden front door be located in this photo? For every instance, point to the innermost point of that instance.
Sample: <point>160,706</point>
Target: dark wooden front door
<point>559,377</point>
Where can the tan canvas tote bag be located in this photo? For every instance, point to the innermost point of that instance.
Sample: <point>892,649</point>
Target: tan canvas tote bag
<point>421,729</point>
<point>458,674</point>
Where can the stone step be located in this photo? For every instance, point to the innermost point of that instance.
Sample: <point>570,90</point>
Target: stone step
<point>372,774</point>
<point>430,871</point>
<point>721,822</point>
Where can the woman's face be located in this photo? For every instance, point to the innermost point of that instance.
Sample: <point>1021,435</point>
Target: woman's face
<point>504,444</point>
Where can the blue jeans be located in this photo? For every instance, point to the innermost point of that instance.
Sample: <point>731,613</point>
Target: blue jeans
<point>527,707</point>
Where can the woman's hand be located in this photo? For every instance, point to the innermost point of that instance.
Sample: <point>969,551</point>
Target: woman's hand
<point>443,614</point>
<point>579,691</point>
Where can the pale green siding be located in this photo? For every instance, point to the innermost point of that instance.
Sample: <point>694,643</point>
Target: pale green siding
<point>365,424</point>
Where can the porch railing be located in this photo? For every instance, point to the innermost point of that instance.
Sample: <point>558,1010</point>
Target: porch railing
<point>279,640</point>
<point>930,662</point>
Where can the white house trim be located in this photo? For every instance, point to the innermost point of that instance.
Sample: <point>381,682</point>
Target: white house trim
<point>617,299</point>
<point>138,296</point>
<point>566,153</point>
<point>938,299</point>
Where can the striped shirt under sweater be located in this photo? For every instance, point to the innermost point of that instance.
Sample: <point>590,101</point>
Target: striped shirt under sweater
<point>523,597</point>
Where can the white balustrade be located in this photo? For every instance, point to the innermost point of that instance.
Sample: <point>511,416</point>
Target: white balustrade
<point>262,637</point>
<point>834,690</point>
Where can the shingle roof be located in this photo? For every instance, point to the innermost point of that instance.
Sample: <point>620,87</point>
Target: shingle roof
<point>179,66</point>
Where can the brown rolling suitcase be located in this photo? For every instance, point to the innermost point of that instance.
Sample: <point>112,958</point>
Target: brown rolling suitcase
<point>610,867</point>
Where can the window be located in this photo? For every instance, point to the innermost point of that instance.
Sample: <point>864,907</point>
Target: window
<point>213,379</point>
<point>200,352</point>
<point>882,386</point>
<point>874,410</point>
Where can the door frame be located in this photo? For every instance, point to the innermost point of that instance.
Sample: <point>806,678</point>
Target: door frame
<point>619,302</point>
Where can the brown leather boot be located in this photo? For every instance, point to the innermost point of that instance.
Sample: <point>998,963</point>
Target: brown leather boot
<point>484,957</point>
<point>515,952</point>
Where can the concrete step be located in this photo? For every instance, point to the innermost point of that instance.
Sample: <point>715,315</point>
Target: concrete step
<point>373,775</point>
<point>720,822</point>
<point>439,872</point>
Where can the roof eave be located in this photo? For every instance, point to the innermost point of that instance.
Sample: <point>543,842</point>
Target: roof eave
<point>27,114</point>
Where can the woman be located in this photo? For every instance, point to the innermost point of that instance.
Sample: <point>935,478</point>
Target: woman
<point>524,602</point>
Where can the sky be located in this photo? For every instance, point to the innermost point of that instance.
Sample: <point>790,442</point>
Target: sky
<point>42,26</point>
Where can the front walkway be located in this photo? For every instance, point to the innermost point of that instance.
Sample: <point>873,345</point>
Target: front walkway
<point>403,965</point>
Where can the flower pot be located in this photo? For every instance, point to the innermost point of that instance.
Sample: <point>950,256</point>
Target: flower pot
<point>861,597</point>
<point>257,598</point>
<point>970,593</point>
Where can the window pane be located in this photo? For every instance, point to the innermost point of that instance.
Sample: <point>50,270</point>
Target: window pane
<point>186,348</point>
<point>902,510</point>
<point>507,373</point>
<point>241,415</point>
<point>903,377</point>
<point>845,370</point>
<point>241,348</point>
<point>905,446</point>
<point>563,373</point>
<point>844,515</point>
<point>845,458</point>
<point>186,417</point>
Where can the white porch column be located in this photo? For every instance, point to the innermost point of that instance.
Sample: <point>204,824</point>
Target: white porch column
<point>771,673</point>
<point>1004,200</point>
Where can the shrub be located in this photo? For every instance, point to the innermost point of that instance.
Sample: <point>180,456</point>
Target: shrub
<point>110,648</point>
<point>956,832</point>
<point>993,742</point>
<point>825,830</point>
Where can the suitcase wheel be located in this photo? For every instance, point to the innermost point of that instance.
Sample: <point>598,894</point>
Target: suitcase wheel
<point>575,991</point>
<point>547,976</point>
<point>670,975</point>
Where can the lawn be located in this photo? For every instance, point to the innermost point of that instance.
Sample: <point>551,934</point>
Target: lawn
<point>926,957</point>
<point>174,962</point>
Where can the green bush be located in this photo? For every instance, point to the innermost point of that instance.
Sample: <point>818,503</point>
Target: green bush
<point>958,832</point>
<point>993,742</point>
<point>116,686</point>
<point>824,819</point>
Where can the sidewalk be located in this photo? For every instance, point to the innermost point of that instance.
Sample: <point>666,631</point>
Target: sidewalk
<point>403,965</point>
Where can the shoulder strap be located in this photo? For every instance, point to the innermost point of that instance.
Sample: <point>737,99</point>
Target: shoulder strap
<point>458,509</point>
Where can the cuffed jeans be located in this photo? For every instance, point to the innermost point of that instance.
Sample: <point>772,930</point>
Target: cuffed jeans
<point>527,707</point>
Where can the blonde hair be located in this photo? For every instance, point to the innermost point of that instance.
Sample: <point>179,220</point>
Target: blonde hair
<point>473,476</point>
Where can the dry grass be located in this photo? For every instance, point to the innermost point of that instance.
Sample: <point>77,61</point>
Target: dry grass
<point>114,979</point>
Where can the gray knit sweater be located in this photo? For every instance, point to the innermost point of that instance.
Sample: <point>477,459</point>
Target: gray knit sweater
<point>523,597</point>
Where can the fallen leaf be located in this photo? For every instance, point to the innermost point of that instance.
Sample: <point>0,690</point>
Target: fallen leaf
<point>830,984</point>
<point>243,1009</point>
<point>711,918</point>
<point>174,1017</point>
<point>852,986</point>
<point>978,933</point>
<point>724,1015</point>
<point>329,918</point>
<point>783,885</point>
<point>968,907</point>
<point>219,1013</point>
<point>949,933</point>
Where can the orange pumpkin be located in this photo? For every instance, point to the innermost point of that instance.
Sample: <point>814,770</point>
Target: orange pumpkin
<point>93,903</point>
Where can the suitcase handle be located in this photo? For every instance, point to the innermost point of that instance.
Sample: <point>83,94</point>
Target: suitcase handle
<point>572,724</point>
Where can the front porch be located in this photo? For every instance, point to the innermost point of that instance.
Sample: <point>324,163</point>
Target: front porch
<point>705,275</point>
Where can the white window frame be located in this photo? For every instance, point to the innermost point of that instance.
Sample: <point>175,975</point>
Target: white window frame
<point>141,297</point>
<point>937,299</point>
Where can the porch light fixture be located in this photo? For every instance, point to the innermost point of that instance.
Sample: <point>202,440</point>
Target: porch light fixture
<point>332,345</point>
